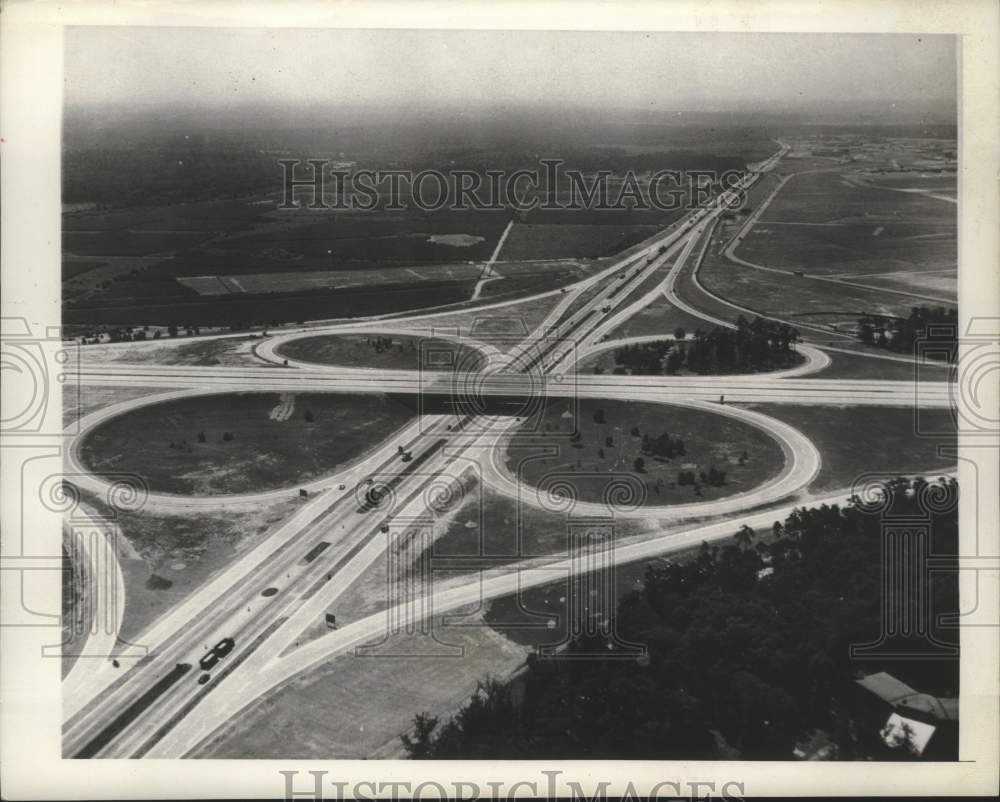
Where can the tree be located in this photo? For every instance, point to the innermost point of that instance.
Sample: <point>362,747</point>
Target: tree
<point>418,746</point>
<point>599,416</point>
<point>201,437</point>
<point>309,416</point>
<point>679,333</point>
<point>744,537</point>
<point>640,464</point>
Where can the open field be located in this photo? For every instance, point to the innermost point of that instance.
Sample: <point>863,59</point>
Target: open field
<point>508,323</point>
<point>224,215</point>
<point>81,399</point>
<point>851,366</point>
<point>401,352</point>
<point>931,283</point>
<point>795,298</point>
<point>272,445</point>
<point>491,528</point>
<point>830,197</point>
<point>288,281</point>
<point>876,244</point>
<point>119,242</point>
<point>545,241</point>
<point>207,351</point>
<point>357,706</point>
<point>166,557</point>
<point>391,235</point>
<point>660,317</point>
<point>850,248</point>
<point>77,267</point>
<point>590,464</point>
<point>249,310</point>
<point>857,441</point>
<point>946,184</point>
<point>540,275</point>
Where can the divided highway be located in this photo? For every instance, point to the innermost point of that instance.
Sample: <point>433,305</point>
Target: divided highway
<point>271,600</point>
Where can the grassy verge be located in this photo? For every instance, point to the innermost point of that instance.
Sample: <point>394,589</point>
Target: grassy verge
<point>166,557</point>
<point>390,352</point>
<point>850,366</point>
<point>860,440</point>
<point>273,444</point>
<point>590,463</point>
<point>356,707</point>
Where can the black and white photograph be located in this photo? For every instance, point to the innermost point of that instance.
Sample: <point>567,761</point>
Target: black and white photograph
<point>408,393</point>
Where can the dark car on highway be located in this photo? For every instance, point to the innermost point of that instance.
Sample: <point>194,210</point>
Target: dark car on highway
<point>208,661</point>
<point>224,647</point>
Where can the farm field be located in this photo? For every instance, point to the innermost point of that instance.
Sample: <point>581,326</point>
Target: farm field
<point>123,242</point>
<point>589,463</point>
<point>273,444</point>
<point>211,216</point>
<point>291,281</point>
<point>186,308</point>
<point>555,241</point>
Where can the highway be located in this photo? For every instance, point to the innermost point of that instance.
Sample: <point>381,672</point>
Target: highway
<point>270,599</point>
<point>184,739</point>
<point>752,388</point>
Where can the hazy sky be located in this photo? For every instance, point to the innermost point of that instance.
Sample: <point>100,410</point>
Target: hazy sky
<point>660,72</point>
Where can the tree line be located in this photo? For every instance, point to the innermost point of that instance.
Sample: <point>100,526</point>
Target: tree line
<point>747,653</point>
<point>752,346</point>
<point>937,327</point>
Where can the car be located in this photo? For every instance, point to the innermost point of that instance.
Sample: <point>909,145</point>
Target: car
<point>209,661</point>
<point>204,678</point>
<point>224,647</point>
